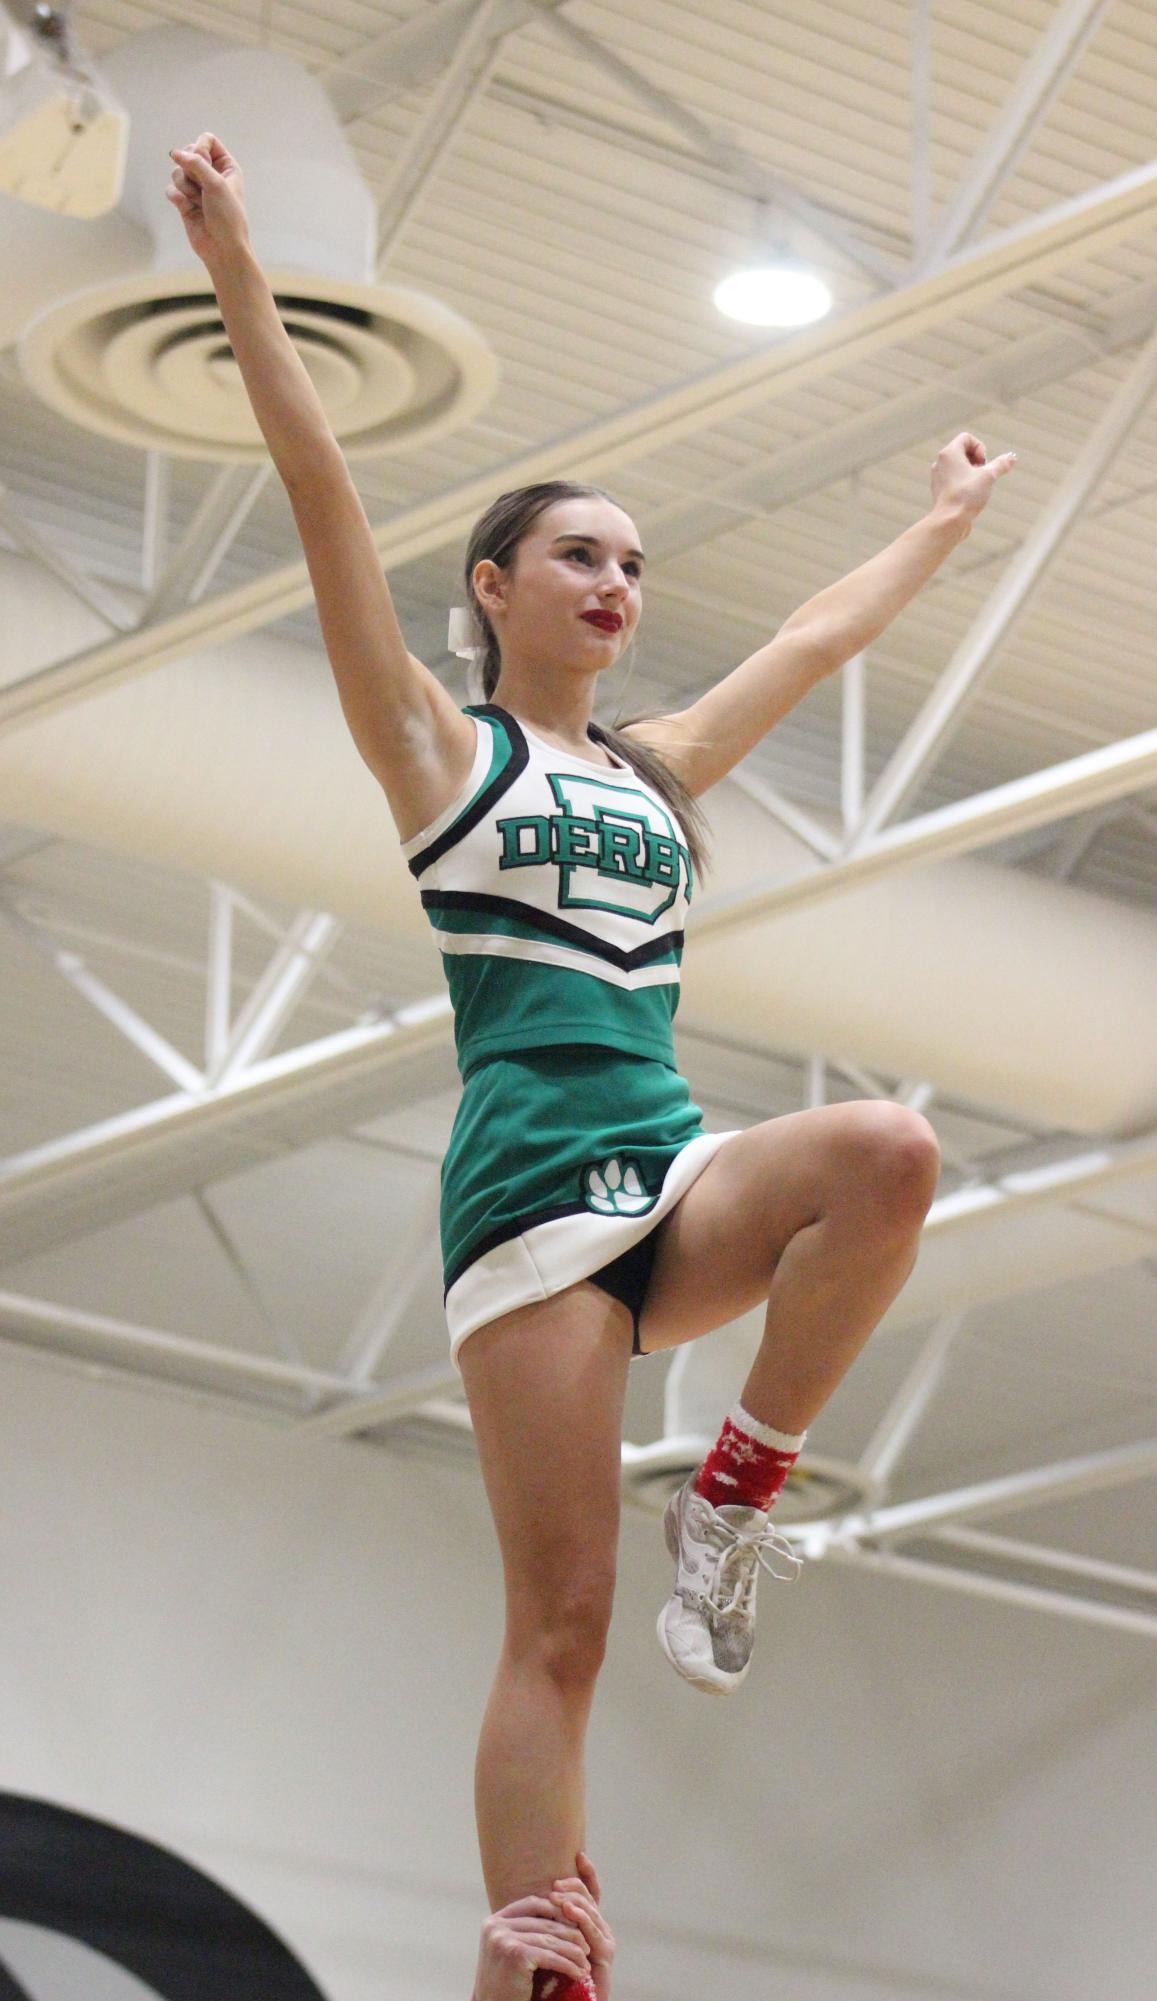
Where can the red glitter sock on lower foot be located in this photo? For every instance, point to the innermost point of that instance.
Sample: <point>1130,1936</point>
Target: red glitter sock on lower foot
<point>557,1987</point>
<point>748,1463</point>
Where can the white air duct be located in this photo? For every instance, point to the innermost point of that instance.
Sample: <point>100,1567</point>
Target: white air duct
<point>143,358</point>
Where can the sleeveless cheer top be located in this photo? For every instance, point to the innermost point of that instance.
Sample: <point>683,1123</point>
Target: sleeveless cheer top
<point>558,889</point>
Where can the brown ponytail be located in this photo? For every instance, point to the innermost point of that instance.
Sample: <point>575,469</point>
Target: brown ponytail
<point>496,536</point>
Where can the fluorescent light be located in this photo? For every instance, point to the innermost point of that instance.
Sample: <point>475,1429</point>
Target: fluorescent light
<point>783,293</point>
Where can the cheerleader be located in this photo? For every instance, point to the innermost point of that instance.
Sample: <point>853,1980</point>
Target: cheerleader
<point>586,1216</point>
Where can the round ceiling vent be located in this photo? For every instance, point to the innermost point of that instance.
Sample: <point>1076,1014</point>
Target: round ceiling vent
<point>146,360</point>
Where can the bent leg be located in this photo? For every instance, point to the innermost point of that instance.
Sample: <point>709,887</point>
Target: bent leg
<point>819,1213</point>
<point>546,1386</point>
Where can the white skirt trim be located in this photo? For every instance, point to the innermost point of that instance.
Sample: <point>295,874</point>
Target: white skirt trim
<point>546,1259</point>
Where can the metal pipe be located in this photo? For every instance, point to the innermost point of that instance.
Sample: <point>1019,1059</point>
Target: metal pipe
<point>1097,1470</point>
<point>982,1586</point>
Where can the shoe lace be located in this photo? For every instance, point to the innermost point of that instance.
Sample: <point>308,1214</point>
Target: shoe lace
<point>742,1554</point>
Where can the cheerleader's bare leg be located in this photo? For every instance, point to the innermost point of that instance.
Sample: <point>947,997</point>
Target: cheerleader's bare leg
<point>546,1385</point>
<point>819,1213</point>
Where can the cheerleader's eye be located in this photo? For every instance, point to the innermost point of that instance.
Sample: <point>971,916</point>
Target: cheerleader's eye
<point>632,568</point>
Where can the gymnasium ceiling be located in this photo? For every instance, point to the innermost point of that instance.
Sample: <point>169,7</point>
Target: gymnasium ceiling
<point>604,172</point>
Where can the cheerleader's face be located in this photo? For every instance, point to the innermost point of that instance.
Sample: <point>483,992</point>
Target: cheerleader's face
<point>576,571</point>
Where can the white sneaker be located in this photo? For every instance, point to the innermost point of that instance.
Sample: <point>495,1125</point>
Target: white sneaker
<point>707,1626</point>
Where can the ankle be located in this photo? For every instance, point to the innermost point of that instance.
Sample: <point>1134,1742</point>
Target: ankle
<point>749,1463</point>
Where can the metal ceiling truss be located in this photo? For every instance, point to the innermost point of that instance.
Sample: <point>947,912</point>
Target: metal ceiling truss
<point>1000,266</point>
<point>241,1096</point>
<point>461,84</point>
<point>950,1556</point>
<point>1040,82</point>
<point>721,152</point>
<point>1017,369</point>
<point>917,755</point>
<point>1077,786</point>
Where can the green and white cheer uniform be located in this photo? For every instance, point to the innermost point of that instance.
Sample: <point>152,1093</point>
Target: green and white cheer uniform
<point>558,888</point>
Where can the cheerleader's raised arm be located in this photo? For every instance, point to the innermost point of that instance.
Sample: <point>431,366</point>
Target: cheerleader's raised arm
<point>407,727</point>
<point>705,741</point>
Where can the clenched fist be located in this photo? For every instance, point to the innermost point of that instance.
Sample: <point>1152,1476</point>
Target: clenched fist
<point>963,477</point>
<point>208,193</point>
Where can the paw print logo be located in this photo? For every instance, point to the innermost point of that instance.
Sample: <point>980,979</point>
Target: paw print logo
<point>614,1188</point>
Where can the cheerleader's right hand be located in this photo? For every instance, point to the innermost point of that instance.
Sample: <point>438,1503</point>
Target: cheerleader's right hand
<point>208,193</point>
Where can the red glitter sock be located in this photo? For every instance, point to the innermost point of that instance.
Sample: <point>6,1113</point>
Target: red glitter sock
<point>557,1987</point>
<point>748,1463</point>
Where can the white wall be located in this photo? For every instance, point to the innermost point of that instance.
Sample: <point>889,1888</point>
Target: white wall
<point>272,1656</point>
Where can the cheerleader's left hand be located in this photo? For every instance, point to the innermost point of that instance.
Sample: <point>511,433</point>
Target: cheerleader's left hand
<point>963,476</point>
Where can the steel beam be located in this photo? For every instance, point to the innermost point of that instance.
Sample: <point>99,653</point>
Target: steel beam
<point>219,975</point>
<point>1005,376</point>
<point>795,818</point>
<point>285,980</point>
<point>155,529</point>
<point>215,526</point>
<point>404,1273</point>
<point>1054,1180</point>
<point>409,55</point>
<point>922,746</point>
<point>1078,838</point>
<point>1072,230</point>
<point>853,686</point>
<point>41,1323</point>
<point>968,824</point>
<point>1010,1493</point>
<point>124,1165</point>
<point>369,1408</point>
<point>921,126</point>
<point>765,485</point>
<point>1121,1576</point>
<point>1043,77</point>
<point>825,223</point>
<point>720,151</point>
<point>36,544</point>
<point>419,51</point>
<point>425,145</point>
<point>853,725</point>
<point>176,1362</point>
<point>894,1432</point>
<point>124,1018</point>
<point>815,1086</point>
<point>236,1260</point>
<point>1091,1611</point>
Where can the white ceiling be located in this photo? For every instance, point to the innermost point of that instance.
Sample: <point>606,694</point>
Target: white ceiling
<point>582,224</point>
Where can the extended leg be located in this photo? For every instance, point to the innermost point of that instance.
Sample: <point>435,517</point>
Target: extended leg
<point>546,1386</point>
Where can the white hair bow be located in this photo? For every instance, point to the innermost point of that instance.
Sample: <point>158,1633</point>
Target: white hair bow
<point>461,638</point>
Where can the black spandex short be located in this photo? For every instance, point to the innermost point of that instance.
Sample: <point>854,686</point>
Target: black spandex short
<point>627,1278</point>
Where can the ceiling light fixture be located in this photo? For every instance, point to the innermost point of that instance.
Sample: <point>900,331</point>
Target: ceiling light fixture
<point>780,294</point>
<point>774,288</point>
